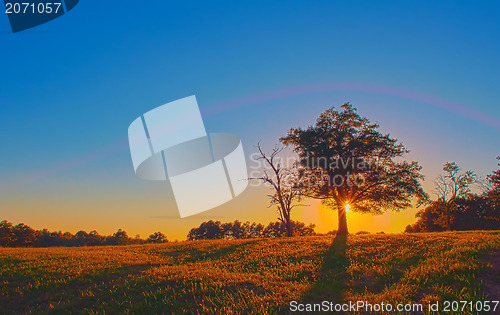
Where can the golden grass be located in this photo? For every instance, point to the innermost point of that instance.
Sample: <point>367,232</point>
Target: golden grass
<point>245,276</point>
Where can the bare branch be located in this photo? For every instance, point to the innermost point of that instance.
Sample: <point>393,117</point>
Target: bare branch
<point>285,190</point>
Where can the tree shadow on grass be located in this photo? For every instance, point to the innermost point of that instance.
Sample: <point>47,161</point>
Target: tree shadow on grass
<point>332,278</point>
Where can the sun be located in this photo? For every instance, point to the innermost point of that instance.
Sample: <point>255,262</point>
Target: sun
<point>347,208</point>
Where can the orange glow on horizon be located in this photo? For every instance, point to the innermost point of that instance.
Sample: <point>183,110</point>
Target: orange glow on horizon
<point>326,219</point>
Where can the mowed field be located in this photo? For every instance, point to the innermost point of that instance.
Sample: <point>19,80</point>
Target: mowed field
<point>248,276</point>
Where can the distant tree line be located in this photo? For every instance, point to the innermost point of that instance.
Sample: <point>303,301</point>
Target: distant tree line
<point>21,235</point>
<point>238,230</point>
<point>456,208</point>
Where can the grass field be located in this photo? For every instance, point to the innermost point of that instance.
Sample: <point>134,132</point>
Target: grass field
<point>246,276</point>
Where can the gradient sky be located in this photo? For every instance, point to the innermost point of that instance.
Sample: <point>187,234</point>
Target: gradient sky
<point>426,71</point>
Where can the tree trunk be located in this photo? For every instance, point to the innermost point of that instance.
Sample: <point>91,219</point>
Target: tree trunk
<point>449,216</point>
<point>289,231</point>
<point>342,230</point>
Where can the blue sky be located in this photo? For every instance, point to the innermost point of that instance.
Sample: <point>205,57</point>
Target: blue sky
<point>70,88</point>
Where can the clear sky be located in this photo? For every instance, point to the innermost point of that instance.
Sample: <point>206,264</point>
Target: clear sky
<point>427,71</point>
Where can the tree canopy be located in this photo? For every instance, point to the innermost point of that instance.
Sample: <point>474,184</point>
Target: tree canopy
<point>493,193</point>
<point>453,185</point>
<point>346,160</point>
<point>472,212</point>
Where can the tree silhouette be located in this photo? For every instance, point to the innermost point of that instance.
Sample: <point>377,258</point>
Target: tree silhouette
<point>24,235</point>
<point>238,230</point>
<point>345,160</point>
<point>81,238</point>
<point>276,229</point>
<point>234,229</point>
<point>206,230</point>
<point>121,238</point>
<point>494,180</point>
<point>429,218</point>
<point>94,238</point>
<point>253,230</point>
<point>7,236</point>
<point>453,185</point>
<point>157,237</point>
<point>283,181</point>
<point>472,212</point>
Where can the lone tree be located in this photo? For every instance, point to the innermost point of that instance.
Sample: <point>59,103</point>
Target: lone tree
<point>283,180</point>
<point>453,185</point>
<point>346,161</point>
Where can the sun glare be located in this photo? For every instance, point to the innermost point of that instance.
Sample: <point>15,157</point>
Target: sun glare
<point>347,208</point>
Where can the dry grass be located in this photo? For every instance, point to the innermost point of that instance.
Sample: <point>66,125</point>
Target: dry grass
<point>245,276</point>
